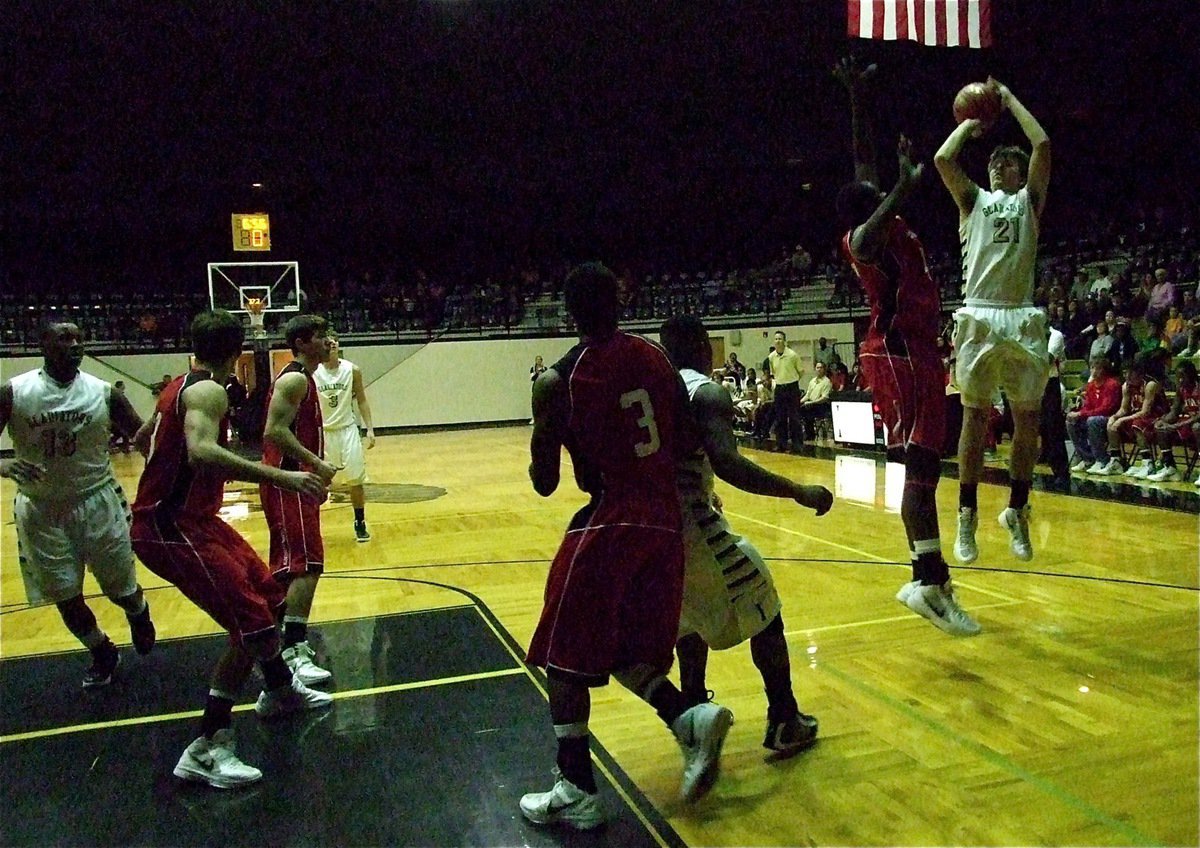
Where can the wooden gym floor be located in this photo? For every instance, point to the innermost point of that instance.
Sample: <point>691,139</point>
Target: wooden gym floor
<point>1072,719</point>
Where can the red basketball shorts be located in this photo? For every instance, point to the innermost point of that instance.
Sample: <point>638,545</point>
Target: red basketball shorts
<point>613,597</point>
<point>214,567</point>
<point>911,396</point>
<point>295,525</point>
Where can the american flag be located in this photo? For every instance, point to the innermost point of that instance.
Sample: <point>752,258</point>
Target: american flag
<point>936,23</point>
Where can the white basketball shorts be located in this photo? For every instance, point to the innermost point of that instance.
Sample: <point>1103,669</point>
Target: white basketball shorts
<point>1001,348</point>
<point>344,450</point>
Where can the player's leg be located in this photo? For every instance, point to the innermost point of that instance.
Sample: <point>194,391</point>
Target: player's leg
<point>1143,464</point>
<point>102,540</point>
<point>692,652</point>
<point>356,474</point>
<point>297,561</point>
<point>1165,440</point>
<point>970,467</point>
<point>789,731</point>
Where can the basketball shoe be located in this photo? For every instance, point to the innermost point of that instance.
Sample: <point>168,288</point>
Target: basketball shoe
<point>565,804</point>
<point>1016,522</point>
<point>1166,474</point>
<point>965,549</point>
<point>299,658</point>
<point>105,660</point>
<point>214,762</point>
<point>939,605</point>
<point>788,738</point>
<point>1080,465</point>
<point>701,732</point>
<point>1141,470</point>
<point>906,590</point>
<point>274,703</point>
<point>361,534</point>
<point>1113,466</point>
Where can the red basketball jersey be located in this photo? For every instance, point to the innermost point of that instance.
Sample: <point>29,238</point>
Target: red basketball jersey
<point>904,298</point>
<point>169,483</point>
<point>1190,401</point>
<point>306,425</point>
<point>626,403</point>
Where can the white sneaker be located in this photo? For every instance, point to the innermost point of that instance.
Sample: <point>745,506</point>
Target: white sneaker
<point>214,762</point>
<point>906,590</point>
<point>565,804</point>
<point>939,605</point>
<point>273,703</point>
<point>965,549</point>
<point>1080,465</point>
<point>299,659</point>
<point>1097,467</point>
<point>1197,483</point>
<point>701,733</point>
<point>1166,474</point>
<point>1112,467</point>
<point>1016,522</point>
<point>1141,470</point>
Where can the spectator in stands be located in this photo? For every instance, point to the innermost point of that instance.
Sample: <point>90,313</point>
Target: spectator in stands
<point>1156,337</point>
<point>824,354</point>
<point>1162,295</point>
<point>839,376</point>
<point>1124,347</point>
<point>1102,342</point>
<point>1180,426</point>
<point>1191,307</point>
<point>815,403</point>
<point>1101,283</point>
<point>1142,403</point>
<point>1088,425</point>
<point>1080,287</point>
<point>764,412</point>
<point>1176,329</point>
<point>737,370</point>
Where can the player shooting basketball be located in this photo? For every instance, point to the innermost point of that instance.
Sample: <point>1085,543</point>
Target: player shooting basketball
<point>899,354</point>
<point>999,335</point>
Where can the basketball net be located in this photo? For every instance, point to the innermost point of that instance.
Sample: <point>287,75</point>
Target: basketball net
<point>254,308</point>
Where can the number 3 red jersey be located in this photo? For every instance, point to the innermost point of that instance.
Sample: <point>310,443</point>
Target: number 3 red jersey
<point>626,405</point>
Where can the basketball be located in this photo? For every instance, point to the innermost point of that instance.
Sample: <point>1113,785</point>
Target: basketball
<point>977,100</point>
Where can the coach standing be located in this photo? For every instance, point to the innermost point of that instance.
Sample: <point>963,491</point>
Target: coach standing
<point>786,369</point>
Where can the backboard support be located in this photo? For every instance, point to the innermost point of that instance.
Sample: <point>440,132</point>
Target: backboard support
<point>276,284</point>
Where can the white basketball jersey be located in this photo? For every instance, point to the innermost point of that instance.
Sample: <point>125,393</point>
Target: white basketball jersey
<point>695,471</point>
<point>999,249</point>
<point>65,429</point>
<point>335,389</point>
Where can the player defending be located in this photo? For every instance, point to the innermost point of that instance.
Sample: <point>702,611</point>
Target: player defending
<point>293,440</point>
<point>340,386</point>
<point>614,589</point>
<point>728,593</point>
<point>69,509</point>
<point>177,534</point>
<point>999,335</point>
<point>899,356</point>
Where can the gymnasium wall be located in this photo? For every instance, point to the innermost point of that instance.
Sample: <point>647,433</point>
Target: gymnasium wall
<point>448,382</point>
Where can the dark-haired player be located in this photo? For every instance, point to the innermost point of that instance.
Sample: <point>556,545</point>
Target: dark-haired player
<point>729,596</point>
<point>613,593</point>
<point>999,335</point>
<point>900,359</point>
<point>178,536</point>
<point>293,439</point>
<point>69,510</point>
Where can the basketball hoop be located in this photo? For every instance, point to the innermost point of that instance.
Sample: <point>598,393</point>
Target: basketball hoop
<point>255,308</point>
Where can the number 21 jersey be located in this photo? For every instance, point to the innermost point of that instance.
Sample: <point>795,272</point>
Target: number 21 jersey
<point>999,249</point>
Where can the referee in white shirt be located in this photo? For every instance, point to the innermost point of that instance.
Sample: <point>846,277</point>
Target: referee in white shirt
<point>786,370</point>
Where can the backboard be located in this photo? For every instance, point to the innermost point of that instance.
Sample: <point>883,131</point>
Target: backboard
<point>276,284</point>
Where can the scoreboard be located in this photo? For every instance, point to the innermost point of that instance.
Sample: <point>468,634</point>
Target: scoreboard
<point>251,231</point>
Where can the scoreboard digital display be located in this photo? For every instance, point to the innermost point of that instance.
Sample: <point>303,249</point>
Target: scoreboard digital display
<point>251,231</point>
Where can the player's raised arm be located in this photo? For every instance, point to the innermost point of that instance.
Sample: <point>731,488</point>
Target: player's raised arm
<point>853,78</point>
<point>868,239</point>
<point>545,445</point>
<point>961,187</point>
<point>1039,158</point>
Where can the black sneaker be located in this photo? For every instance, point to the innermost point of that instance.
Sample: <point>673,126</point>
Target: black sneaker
<point>791,737</point>
<point>105,660</point>
<point>141,630</point>
<point>361,533</point>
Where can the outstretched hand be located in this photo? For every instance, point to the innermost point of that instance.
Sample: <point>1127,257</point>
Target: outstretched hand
<point>851,74</point>
<point>908,169</point>
<point>816,498</point>
<point>1000,89</point>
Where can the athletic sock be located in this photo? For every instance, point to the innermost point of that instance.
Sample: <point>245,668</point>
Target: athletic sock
<point>360,514</point>
<point>968,496</point>
<point>667,701</point>
<point>295,630</point>
<point>275,672</point>
<point>930,563</point>
<point>218,710</point>
<point>574,755</point>
<point>1018,494</point>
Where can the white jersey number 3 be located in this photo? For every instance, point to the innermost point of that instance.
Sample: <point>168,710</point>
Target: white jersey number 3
<point>642,398</point>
